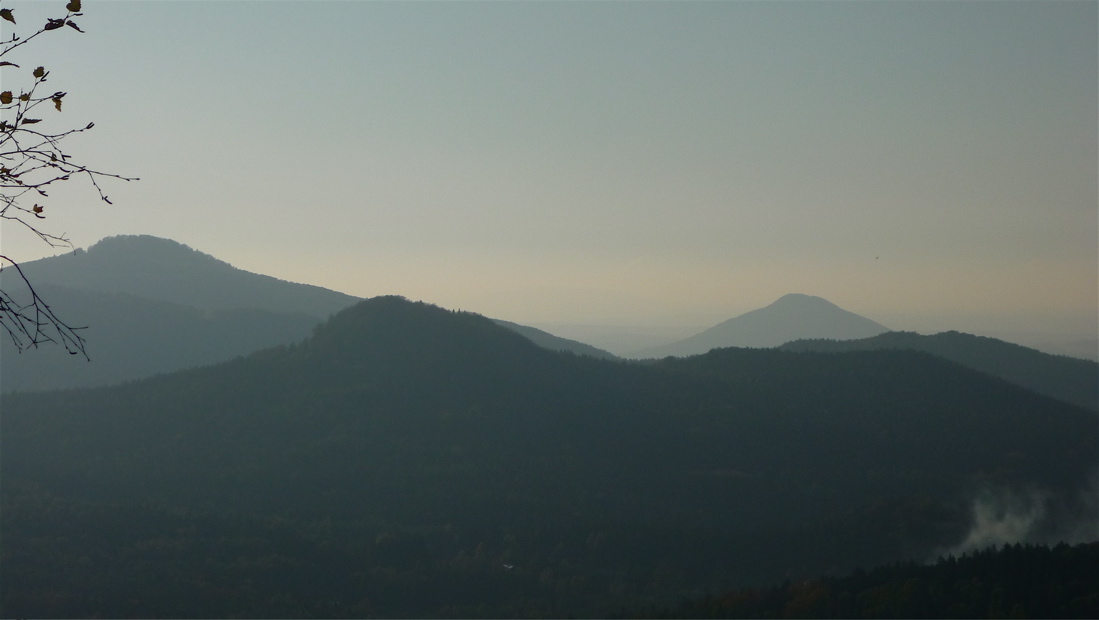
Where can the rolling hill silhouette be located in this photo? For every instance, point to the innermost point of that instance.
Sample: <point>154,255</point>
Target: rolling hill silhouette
<point>406,460</point>
<point>165,270</point>
<point>1069,379</point>
<point>153,305</point>
<point>791,317</point>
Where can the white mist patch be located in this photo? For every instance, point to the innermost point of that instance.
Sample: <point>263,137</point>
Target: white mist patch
<point>1085,527</point>
<point>1002,517</point>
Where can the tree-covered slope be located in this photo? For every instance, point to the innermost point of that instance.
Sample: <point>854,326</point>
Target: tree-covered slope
<point>1069,379</point>
<point>434,463</point>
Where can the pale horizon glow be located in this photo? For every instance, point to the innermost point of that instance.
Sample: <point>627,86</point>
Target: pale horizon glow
<point>928,165</point>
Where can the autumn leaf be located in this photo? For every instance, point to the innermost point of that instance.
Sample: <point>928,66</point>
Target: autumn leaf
<point>72,25</point>
<point>40,72</point>
<point>31,121</point>
<point>73,6</point>
<point>38,211</point>
<point>6,14</point>
<point>5,97</point>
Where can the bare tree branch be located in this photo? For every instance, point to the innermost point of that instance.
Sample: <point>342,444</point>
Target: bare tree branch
<point>32,322</point>
<point>31,161</point>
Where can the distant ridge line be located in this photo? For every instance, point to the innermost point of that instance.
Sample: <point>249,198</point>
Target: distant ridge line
<point>1069,379</point>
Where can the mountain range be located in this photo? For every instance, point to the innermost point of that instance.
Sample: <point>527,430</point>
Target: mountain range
<point>791,317</point>
<point>153,305</point>
<point>407,460</point>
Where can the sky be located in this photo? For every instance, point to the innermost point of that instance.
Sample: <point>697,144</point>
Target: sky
<point>930,165</point>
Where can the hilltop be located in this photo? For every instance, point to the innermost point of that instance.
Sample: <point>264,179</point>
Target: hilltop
<point>165,270</point>
<point>791,317</point>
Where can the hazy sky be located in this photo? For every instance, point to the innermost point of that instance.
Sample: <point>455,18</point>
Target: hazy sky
<point>930,165</point>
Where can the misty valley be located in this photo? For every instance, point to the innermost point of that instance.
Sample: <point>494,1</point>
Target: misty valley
<point>242,446</point>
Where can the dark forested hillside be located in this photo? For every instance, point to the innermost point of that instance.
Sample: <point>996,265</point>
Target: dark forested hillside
<point>1069,379</point>
<point>1014,581</point>
<point>406,460</point>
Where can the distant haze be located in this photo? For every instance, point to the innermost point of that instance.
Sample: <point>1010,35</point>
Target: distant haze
<point>648,167</point>
<point>791,317</point>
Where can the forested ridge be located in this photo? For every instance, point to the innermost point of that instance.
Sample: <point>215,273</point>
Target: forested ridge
<point>152,305</point>
<point>1066,378</point>
<point>411,461</point>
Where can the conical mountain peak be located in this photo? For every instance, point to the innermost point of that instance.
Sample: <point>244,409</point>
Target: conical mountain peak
<point>791,317</point>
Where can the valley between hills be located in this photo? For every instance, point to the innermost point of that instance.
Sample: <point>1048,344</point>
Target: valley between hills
<point>242,446</point>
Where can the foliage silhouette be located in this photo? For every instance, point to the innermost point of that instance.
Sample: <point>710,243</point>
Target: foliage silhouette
<point>33,161</point>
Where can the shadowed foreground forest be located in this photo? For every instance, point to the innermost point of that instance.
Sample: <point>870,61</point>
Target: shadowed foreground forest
<point>1015,581</point>
<point>409,461</point>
